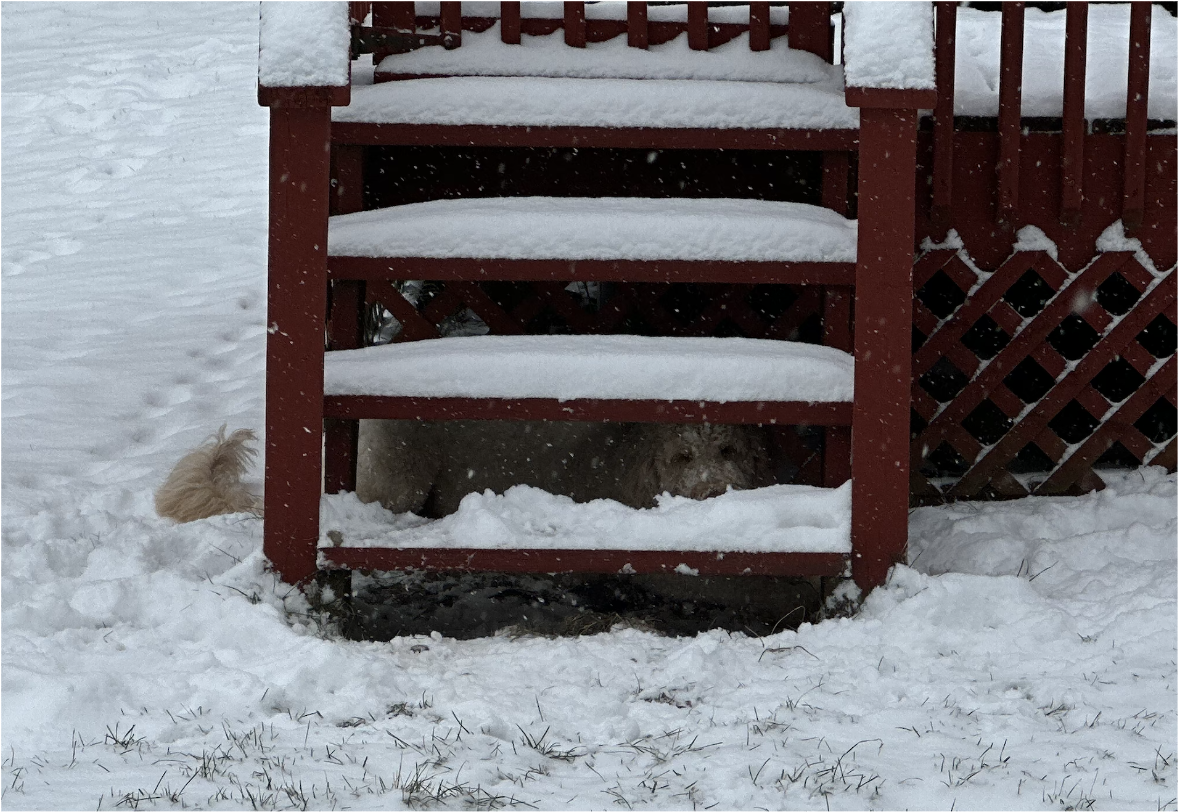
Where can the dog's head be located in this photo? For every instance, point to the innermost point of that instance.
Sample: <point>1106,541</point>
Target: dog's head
<point>701,461</point>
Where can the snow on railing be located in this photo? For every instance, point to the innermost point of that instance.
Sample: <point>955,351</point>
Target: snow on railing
<point>304,45</point>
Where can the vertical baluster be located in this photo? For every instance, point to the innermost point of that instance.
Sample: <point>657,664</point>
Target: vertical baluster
<point>1136,115</point>
<point>809,29</point>
<point>509,23</point>
<point>636,28</point>
<point>574,25</point>
<point>451,24</point>
<point>759,26</point>
<point>1010,94</point>
<point>393,15</point>
<point>697,26</point>
<point>943,114</point>
<point>1074,77</point>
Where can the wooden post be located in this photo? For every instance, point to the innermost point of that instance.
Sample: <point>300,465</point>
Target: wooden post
<point>1074,70</point>
<point>1136,115</point>
<point>300,139</point>
<point>883,342</point>
<point>450,24</point>
<point>809,29</point>
<point>759,31</point>
<point>574,25</point>
<point>637,32</point>
<point>697,26</point>
<point>509,22</point>
<point>1010,103</point>
<point>943,114</point>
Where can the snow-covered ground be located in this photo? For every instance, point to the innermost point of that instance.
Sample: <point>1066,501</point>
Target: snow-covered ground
<point>1026,659</point>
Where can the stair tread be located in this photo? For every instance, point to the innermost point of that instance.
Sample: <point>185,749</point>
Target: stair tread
<point>774,519</point>
<point>539,101</point>
<point>531,228</point>
<point>567,367</point>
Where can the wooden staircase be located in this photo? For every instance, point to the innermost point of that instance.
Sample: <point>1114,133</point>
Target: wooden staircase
<point>324,270</point>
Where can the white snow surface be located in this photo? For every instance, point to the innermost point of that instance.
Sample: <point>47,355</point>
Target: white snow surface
<point>889,45</point>
<point>485,54</point>
<point>303,44</point>
<point>978,51</point>
<point>781,518</point>
<point>556,102</point>
<point>611,366</point>
<point>1025,658</point>
<point>598,228</point>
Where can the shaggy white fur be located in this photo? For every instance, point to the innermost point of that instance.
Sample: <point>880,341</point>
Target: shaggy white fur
<point>207,480</point>
<point>427,467</point>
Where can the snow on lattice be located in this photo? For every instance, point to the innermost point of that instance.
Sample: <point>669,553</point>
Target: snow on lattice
<point>304,45</point>
<point>889,45</point>
<point>781,518</point>
<point>606,367</point>
<point>543,102</point>
<point>485,54</point>
<point>598,228</point>
<point>977,57</point>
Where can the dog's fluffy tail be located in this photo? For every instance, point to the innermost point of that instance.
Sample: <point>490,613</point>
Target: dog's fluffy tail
<point>207,480</point>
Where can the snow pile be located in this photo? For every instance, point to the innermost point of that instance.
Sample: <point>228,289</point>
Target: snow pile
<point>304,45</point>
<point>782,518</point>
<point>542,102</point>
<point>606,367</point>
<point>979,38</point>
<point>598,228</point>
<point>889,45</point>
<point>1028,659</point>
<point>485,54</point>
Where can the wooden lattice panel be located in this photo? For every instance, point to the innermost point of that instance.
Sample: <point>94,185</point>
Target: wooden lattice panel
<point>969,401</point>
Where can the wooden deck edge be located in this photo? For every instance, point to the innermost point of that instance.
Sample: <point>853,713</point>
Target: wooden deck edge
<point>589,561</point>
<point>354,407</point>
<point>373,269</point>
<point>326,96</point>
<point>485,135</point>
<point>895,98</point>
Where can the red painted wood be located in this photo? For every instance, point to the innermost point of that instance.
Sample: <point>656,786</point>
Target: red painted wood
<point>509,22</point>
<point>809,29</point>
<point>1074,72</point>
<point>883,358</point>
<point>347,176</point>
<point>353,407</point>
<point>587,270</point>
<point>296,306</point>
<point>636,25</point>
<point>307,97</point>
<point>601,561</point>
<point>477,135</point>
<point>836,171</point>
<point>345,332</point>
<point>697,26</point>
<point>1010,94</point>
<point>946,16</point>
<point>890,98</point>
<point>836,332</point>
<point>574,25</point>
<point>758,26</point>
<point>451,23</point>
<point>358,11</point>
<point>392,15</point>
<point>1136,114</point>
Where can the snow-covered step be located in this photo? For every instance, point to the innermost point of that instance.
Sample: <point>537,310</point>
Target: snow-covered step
<point>773,529</point>
<point>623,367</point>
<point>641,229</point>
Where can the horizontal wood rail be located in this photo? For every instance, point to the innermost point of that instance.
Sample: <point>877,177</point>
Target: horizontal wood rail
<point>353,407</point>
<point>481,135</point>
<point>590,270</point>
<point>598,561</point>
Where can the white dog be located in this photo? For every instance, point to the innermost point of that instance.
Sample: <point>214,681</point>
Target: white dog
<point>427,467</point>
